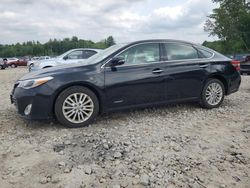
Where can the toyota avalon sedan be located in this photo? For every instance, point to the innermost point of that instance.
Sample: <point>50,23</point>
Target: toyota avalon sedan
<point>137,74</point>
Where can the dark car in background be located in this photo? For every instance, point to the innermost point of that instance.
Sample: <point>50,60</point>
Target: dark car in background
<point>125,76</point>
<point>239,57</point>
<point>245,65</point>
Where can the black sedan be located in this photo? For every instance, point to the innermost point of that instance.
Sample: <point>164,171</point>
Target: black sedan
<point>138,74</point>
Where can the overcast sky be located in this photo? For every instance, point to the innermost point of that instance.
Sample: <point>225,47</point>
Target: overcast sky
<point>126,20</point>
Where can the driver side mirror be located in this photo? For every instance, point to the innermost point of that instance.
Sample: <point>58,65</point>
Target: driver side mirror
<point>117,61</point>
<point>65,57</point>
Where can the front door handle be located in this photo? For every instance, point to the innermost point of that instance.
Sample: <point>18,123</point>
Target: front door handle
<point>204,65</point>
<point>157,71</point>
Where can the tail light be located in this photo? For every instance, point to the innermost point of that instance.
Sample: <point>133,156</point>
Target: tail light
<point>236,64</point>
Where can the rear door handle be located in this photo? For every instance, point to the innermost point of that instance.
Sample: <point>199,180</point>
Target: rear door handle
<point>204,65</point>
<point>157,71</point>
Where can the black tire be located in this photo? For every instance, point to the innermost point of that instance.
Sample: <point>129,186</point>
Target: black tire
<point>63,96</point>
<point>2,67</point>
<point>30,66</point>
<point>204,102</point>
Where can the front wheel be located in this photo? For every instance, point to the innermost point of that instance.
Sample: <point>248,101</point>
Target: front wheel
<point>13,65</point>
<point>30,66</point>
<point>212,94</point>
<point>76,106</point>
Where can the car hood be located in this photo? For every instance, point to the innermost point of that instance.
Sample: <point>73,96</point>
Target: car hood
<point>53,71</point>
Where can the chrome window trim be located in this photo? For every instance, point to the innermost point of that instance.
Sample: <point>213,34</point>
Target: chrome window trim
<point>165,61</point>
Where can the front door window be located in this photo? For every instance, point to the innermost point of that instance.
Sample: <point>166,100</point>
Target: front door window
<point>141,54</point>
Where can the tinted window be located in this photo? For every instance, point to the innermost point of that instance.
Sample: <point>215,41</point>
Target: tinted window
<point>205,53</point>
<point>239,57</point>
<point>89,53</point>
<point>143,53</point>
<point>75,55</point>
<point>247,58</point>
<point>180,51</point>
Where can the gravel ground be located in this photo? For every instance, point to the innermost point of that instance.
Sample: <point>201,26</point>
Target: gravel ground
<point>171,146</point>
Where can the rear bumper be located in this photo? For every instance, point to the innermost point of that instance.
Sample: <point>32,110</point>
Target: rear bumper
<point>245,68</point>
<point>245,71</point>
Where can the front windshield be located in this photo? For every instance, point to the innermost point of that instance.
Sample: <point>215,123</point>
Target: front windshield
<point>103,54</point>
<point>62,55</point>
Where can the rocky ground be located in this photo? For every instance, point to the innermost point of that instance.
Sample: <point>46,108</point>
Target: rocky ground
<point>171,146</point>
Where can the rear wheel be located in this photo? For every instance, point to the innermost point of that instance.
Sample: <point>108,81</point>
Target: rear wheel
<point>76,106</point>
<point>213,94</point>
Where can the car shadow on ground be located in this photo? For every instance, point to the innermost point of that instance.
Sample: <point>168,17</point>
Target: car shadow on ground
<point>105,120</point>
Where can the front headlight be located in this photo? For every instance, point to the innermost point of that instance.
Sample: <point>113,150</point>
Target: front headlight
<point>27,84</point>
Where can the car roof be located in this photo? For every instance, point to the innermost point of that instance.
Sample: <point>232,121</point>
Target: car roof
<point>162,40</point>
<point>98,50</point>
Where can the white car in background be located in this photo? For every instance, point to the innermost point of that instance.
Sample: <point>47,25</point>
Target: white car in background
<point>37,59</point>
<point>72,56</point>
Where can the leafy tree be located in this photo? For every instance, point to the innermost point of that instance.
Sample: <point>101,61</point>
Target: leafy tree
<point>231,24</point>
<point>110,41</point>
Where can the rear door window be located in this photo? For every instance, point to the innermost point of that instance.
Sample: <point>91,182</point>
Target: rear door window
<point>88,53</point>
<point>175,51</point>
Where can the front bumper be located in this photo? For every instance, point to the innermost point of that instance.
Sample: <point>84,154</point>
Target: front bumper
<point>41,99</point>
<point>4,65</point>
<point>33,68</point>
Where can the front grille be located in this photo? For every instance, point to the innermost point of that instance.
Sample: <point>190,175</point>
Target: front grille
<point>14,101</point>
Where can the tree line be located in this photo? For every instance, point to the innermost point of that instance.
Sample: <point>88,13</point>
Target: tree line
<point>230,22</point>
<point>51,48</point>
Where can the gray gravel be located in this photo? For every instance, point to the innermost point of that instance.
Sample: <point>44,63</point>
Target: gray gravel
<point>171,146</point>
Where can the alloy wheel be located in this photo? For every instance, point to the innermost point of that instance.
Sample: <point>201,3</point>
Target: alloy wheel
<point>78,107</point>
<point>214,94</point>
